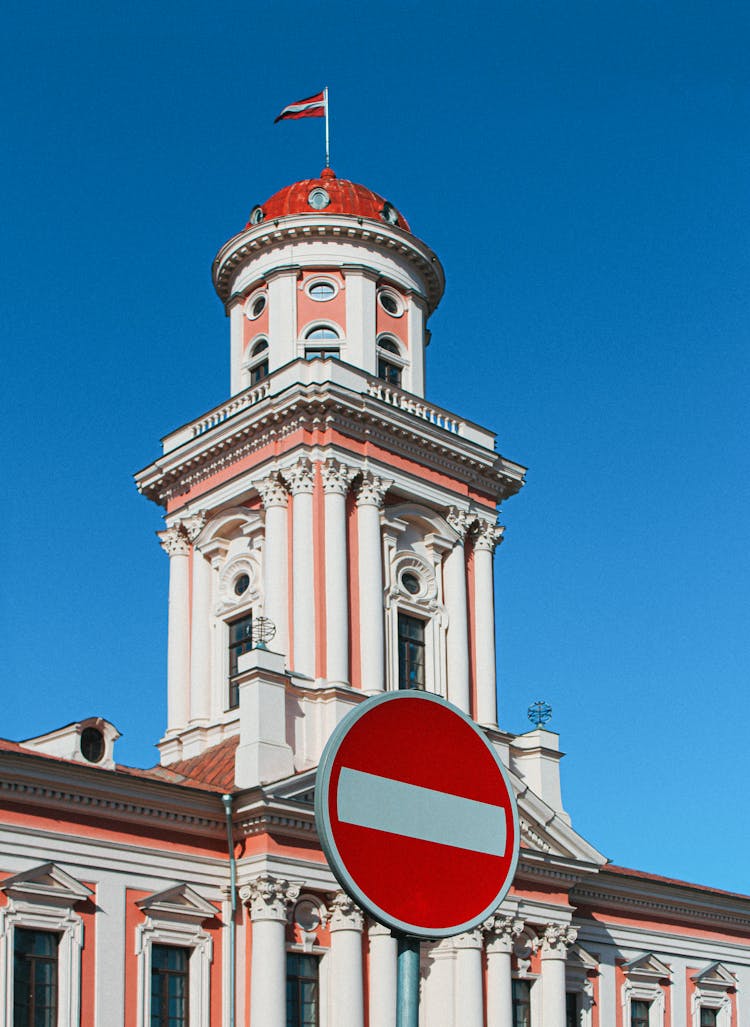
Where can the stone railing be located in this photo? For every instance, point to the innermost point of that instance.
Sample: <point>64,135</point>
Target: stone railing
<point>414,405</point>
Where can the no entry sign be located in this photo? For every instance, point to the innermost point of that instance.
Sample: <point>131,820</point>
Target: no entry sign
<point>416,815</point>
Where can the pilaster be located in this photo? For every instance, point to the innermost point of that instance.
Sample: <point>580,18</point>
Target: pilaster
<point>370,492</point>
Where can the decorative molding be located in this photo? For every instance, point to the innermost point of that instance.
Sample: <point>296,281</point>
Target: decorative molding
<point>300,477</point>
<point>370,490</point>
<point>269,897</point>
<point>180,902</point>
<point>461,521</point>
<point>272,491</point>
<point>468,940</point>
<point>193,525</point>
<point>345,914</point>
<point>557,939</point>
<point>337,477</point>
<point>487,535</point>
<point>501,932</point>
<point>174,541</point>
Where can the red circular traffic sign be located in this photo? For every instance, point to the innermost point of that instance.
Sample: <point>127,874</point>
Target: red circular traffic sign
<point>416,814</point>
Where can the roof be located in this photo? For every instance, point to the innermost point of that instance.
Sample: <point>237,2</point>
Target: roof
<point>642,875</point>
<point>327,195</point>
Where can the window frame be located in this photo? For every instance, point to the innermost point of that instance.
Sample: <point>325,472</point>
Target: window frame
<point>515,982</point>
<point>232,647</point>
<point>34,960</point>
<point>164,975</point>
<point>321,280</point>
<point>406,643</point>
<point>297,954</point>
<point>392,357</point>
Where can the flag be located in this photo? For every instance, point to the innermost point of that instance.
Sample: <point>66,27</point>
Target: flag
<point>312,107</point>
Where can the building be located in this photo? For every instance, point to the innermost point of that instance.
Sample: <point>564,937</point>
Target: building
<point>330,535</point>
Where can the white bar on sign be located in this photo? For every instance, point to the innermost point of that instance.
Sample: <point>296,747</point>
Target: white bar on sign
<point>383,804</point>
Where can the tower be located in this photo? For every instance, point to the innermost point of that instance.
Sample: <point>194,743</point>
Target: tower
<point>327,495</point>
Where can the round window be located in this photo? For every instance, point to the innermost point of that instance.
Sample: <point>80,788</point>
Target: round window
<point>389,213</point>
<point>307,915</point>
<point>256,306</point>
<point>318,198</point>
<point>92,744</point>
<point>242,584</point>
<point>256,215</point>
<point>390,304</point>
<point>321,291</point>
<point>411,583</point>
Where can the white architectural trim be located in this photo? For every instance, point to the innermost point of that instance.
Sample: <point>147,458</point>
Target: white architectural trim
<point>643,977</point>
<point>42,899</point>
<point>712,986</point>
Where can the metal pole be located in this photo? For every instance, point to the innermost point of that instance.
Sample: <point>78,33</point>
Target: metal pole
<point>328,153</point>
<point>407,990</point>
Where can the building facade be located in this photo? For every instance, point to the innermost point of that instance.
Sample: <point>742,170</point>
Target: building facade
<point>330,536</point>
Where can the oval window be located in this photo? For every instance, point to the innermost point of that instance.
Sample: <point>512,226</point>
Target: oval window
<point>411,583</point>
<point>390,304</point>
<point>321,291</point>
<point>242,584</point>
<point>92,744</point>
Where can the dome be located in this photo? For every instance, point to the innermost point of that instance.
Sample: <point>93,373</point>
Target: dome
<point>327,195</point>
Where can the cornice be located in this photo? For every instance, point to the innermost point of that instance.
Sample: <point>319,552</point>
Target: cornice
<point>275,233</point>
<point>711,908</point>
<point>318,407</point>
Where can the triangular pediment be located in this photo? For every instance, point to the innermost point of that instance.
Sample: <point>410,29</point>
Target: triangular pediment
<point>548,832</point>
<point>579,958</point>
<point>646,966</point>
<point>45,884</point>
<point>178,902</point>
<point>715,975</point>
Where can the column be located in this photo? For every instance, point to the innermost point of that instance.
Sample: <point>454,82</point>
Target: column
<point>175,542</point>
<point>501,933</point>
<point>336,480</point>
<point>346,956</point>
<point>469,978</point>
<point>454,576</point>
<point>438,992</point>
<point>382,977</point>
<point>370,494</point>
<point>300,482</point>
<point>486,537</point>
<point>268,898</point>
<point>200,640</point>
<point>556,940</point>
<point>275,498</point>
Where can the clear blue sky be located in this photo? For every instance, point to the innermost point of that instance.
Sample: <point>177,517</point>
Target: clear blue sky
<point>582,169</point>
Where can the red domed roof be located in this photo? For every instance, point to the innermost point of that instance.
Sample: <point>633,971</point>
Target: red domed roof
<point>334,196</point>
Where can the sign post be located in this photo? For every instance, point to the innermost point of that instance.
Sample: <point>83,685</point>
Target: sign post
<point>418,821</point>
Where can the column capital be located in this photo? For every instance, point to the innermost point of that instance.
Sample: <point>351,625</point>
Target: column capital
<point>501,932</point>
<point>371,490</point>
<point>272,491</point>
<point>376,930</point>
<point>460,521</point>
<point>337,477</point>
<point>487,535</point>
<point>268,897</point>
<point>193,525</point>
<point>345,913</point>
<point>468,940</point>
<point>556,940</point>
<point>300,477</point>
<point>174,541</point>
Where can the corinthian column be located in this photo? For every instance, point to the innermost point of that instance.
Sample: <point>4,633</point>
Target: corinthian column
<point>275,498</point>
<point>346,955</point>
<point>300,481</point>
<point>556,941</point>
<point>175,543</point>
<point>200,627</point>
<point>469,978</point>
<point>486,537</point>
<point>336,480</point>
<point>383,979</point>
<point>268,898</point>
<point>370,495</point>
<point>501,933</point>
<point>454,575</point>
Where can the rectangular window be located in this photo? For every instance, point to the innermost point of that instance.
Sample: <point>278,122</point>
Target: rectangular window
<point>410,652</point>
<point>34,978</point>
<point>240,641</point>
<point>709,1017</point>
<point>259,372</point>
<point>169,986</point>
<point>521,1004</point>
<point>301,990</point>
<point>389,372</point>
<point>571,1010</point>
<point>322,353</point>
<point>639,1014</point>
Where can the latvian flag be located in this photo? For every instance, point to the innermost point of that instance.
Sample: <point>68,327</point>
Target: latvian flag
<point>312,107</point>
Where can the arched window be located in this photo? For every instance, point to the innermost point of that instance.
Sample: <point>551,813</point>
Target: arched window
<point>318,341</point>
<point>257,363</point>
<point>390,361</point>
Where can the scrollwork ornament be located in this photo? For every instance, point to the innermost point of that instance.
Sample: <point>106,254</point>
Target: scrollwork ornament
<point>193,525</point>
<point>269,897</point>
<point>557,939</point>
<point>174,541</point>
<point>487,535</point>
<point>299,477</point>
<point>371,490</point>
<point>337,477</point>
<point>460,521</point>
<point>273,491</point>
<point>345,913</point>
<point>502,932</point>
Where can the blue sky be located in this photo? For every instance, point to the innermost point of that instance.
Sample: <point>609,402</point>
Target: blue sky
<point>582,171</point>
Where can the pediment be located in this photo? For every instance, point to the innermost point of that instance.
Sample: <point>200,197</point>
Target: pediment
<point>545,831</point>
<point>46,884</point>
<point>715,975</point>
<point>178,902</point>
<point>579,958</point>
<point>648,966</point>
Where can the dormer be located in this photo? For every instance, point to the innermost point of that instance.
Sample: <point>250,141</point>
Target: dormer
<point>89,741</point>
<point>328,270</point>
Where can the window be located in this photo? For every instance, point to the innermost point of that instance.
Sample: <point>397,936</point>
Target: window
<point>389,369</point>
<point>34,978</point>
<point>301,990</point>
<point>240,641</point>
<point>321,290</point>
<point>322,353</point>
<point>410,652</point>
<point>571,1010</point>
<point>259,362</point>
<point>390,303</point>
<point>521,1004</point>
<point>322,332</point>
<point>639,1013</point>
<point>709,1017</point>
<point>169,986</point>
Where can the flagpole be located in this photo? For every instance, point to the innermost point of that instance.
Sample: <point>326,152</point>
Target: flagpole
<point>328,153</point>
